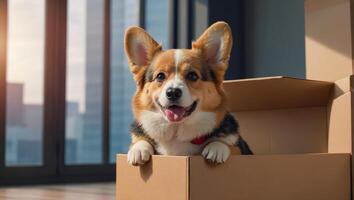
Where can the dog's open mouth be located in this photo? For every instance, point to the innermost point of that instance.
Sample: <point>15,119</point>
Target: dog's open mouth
<point>175,113</point>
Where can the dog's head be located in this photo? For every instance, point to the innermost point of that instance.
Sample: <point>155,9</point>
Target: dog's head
<point>178,82</point>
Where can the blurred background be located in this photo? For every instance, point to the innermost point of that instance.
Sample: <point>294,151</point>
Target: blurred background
<point>65,87</point>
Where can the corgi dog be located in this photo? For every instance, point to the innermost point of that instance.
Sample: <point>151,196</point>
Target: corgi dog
<point>180,105</point>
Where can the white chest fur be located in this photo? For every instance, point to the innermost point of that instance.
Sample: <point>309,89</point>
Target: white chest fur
<point>175,138</point>
<point>177,148</point>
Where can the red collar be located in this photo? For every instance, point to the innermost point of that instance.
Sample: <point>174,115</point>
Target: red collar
<point>199,140</point>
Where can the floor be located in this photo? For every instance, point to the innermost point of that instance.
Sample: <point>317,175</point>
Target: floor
<point>96,191</point>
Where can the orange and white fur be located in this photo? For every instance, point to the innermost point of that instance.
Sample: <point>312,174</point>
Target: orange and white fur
<point>180,105</point>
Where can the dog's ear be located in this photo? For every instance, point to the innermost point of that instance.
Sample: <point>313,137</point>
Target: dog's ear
<point>140,48</point>
<point>215,44</point>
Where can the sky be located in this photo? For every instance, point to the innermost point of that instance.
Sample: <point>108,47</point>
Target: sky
<point>25,56</point>
<point>26,47</point>
<point>26,35</point>
<point>76,52</point>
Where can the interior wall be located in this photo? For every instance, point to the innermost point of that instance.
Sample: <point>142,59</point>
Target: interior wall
<point>230,12</point>
<point>274,38</point>
<point>269,35</point>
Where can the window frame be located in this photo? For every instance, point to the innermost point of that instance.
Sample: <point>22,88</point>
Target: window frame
<point>15,174</point>
<point>3,49</point>
<point>53,168</point>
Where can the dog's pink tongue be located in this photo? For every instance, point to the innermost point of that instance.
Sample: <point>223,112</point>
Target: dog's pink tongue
<point>175,114</point>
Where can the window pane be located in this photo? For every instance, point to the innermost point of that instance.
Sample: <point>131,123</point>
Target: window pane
<point>157,18</point>
<point>84,82</point>
<point>200,23</point>
<point>25,71</point>
<point>124,13</point>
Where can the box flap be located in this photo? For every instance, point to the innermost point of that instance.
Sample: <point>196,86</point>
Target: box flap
<point>276,177</point>
<point>343,86</point>
<point>276,93</point>
<point>285,131</point>
<point>328,39</point>
<point>164,177</point>
<point>340,124</point>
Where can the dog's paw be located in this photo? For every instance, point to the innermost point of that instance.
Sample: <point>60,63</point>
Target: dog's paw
<point>216,152</point>
<point>140,153</point>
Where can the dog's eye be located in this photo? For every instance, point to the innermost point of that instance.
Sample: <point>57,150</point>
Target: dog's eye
<point>160,77</point>
<point>192,76</point>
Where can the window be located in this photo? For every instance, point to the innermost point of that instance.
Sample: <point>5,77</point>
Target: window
<point>157,21</point>
<point>201,18</point>
<point>124,13</point>
<point>24,90</point>
<point>67,88</point>
<point>84,82</point>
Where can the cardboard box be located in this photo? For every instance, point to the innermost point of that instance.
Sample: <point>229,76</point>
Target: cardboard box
<point>280,115</point>
<point>273,177</point>
<point>300,130</point>
<point>329,39</point>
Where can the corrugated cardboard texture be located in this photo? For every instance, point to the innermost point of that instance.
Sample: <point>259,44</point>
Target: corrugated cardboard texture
<point>328,39</point>
<point>299,130</point>
<point>165,177</point>
<point>276,93</point>
<point>272,177</point>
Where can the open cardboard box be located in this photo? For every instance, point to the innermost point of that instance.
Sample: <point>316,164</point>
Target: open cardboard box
<point>300,130</point>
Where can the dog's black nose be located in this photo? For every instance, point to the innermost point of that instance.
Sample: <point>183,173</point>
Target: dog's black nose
<point>173,94</point>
